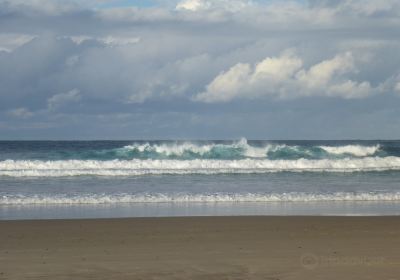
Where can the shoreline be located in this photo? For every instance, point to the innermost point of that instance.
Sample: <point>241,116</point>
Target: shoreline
<point>230,247</point>
<point>198,209</point>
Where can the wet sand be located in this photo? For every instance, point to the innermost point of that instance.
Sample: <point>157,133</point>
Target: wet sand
<point>202,248</point>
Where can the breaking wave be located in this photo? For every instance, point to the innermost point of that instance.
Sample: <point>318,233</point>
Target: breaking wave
<point>223,150</point>
<point>191,198</point>
<point>135,167</point>
<point>187,150</point>
<point>238,150</point>
<point>355,150</point>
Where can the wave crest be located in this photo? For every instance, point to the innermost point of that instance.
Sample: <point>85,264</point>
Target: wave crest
<point>37,168</point>
<point>188,150</point>
<point>240,150</point>
<point>355,150</point>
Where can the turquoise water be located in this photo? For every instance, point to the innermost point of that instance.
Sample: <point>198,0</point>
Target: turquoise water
<point>72,179</point>
<point>187,150</point>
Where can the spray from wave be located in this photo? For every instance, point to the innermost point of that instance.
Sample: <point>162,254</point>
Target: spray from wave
<point>187,150</point>
<point>354,150</point>
<point>241,150</point>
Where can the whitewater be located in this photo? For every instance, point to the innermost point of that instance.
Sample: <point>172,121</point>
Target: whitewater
<point>36,174</point>
<point>137,167</point>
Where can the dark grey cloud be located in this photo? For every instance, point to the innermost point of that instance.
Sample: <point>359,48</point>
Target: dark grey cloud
<point>200,69</point>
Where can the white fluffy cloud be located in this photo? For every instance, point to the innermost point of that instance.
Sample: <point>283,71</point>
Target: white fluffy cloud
<point>192,5</point>
<point>199,5</point>
<point>284,76</point>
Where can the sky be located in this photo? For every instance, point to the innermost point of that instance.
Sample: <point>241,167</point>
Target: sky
<point>199,69</point>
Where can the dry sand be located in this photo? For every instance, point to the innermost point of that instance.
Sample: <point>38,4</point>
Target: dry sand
<point>202,248</point>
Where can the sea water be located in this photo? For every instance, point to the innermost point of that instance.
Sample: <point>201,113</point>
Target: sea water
<point>91,179</point>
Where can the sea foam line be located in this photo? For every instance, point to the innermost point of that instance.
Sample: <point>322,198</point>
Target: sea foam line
<point>135,167</point>
<point>194,198</point>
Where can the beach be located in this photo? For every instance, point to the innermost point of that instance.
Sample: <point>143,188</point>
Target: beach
<point>258,247</point>
<point>199,139</point>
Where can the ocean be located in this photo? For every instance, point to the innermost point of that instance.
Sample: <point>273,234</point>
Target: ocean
<point>92,179</point>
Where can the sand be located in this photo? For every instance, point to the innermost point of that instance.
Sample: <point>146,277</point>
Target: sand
<point>202,248</point>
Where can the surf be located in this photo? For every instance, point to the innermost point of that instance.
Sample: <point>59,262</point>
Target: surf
<point>137,167</point>
<point>195,198</point>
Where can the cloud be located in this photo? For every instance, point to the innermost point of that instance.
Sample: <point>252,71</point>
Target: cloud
<point>22,113</point>
<point>61,99</point>
<point>111,41</point>
<point>119,41</point>
<point>192,5</point>
<point>328,78</point>
<point>10,41</point>
<point>320,74</point>
<point>283,77</point>
<point>397,87</point>
<point>45,7</point>
<point>360,7</point>
<point>202,60</point>
<point>201,5</point>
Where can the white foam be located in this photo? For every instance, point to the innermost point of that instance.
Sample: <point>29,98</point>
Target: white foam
<point>37,168</point>
<point>355,150</point>
<point>195,198</point>
<point>178,149</point>
<point>253,152</point>
<point>171,149</point>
